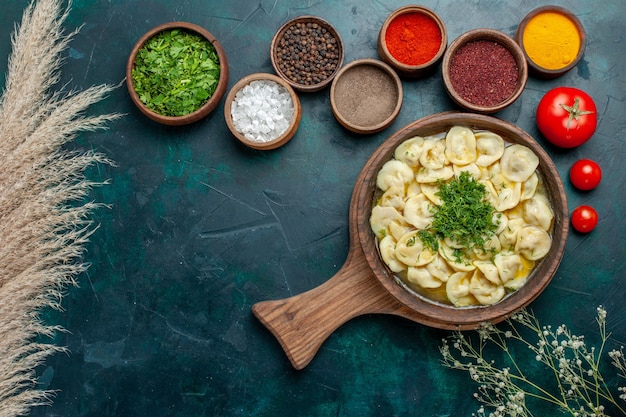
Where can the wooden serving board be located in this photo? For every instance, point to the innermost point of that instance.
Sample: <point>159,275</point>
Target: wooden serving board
<point>364,284</point>
<point>303,322</point>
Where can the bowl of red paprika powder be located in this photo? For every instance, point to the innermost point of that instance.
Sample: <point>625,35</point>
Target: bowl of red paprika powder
<point>484,70</point>
<point>412,40</point>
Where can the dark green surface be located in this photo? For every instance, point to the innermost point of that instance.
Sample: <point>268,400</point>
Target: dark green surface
<point>201,228</point>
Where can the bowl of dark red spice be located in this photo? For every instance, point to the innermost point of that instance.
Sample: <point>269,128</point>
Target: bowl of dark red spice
<point>177,73</point>
<point>484,70</point>
<point>412,40</point>
<point>553,40</point>
<point>307,52</point>
<point>262,111</point>
<point>366,96</point>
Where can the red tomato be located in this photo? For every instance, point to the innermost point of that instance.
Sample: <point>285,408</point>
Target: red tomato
<point>567,116</point>
<point>585,174</point>
<point>584,219</point>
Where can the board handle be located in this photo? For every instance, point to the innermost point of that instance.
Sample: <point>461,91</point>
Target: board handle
<point>303,322</point>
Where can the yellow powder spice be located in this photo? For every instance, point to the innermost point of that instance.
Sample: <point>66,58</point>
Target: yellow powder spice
<point>551,40</point>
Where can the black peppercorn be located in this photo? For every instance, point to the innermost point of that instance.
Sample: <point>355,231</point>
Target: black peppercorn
<point>306,53</point>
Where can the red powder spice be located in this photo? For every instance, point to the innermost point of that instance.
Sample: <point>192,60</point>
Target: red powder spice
<point>483,73</point>
<point>413,38</point>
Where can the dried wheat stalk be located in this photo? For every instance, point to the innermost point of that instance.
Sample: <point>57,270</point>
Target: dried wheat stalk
<point>44,219</point>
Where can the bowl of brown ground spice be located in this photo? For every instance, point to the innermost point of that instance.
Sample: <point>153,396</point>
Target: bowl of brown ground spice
<point>307,52</point>
<point>484,70</point>
<point>366,96</point>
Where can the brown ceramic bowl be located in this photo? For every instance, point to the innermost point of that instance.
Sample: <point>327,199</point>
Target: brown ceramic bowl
<point>403,69</point>
<point>438,314</point>
<point>479,104</point>
<point>366,96</point>
<point>279,140</point>
<point>207,107</point>
<point>536,69</point>
<point>282,57</point>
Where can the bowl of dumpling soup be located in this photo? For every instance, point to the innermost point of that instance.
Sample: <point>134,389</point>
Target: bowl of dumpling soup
<point>464,218</point>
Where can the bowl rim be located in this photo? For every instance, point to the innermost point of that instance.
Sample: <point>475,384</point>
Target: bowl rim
<point>485,34</point>
<point>278,35</point>
<point>390,59</point>
<point>388,71</point>
<point>536,69</point>
<point>207,107</point>
<point>280,140</point>
<point>447,316</point>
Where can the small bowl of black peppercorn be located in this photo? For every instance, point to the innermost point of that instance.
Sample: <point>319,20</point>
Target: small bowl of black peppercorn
<point>307,52</point>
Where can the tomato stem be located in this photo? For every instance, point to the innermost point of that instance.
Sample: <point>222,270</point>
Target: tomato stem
<point>574,111</point>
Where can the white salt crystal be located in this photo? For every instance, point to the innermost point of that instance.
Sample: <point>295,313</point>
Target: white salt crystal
<point>262,110</point>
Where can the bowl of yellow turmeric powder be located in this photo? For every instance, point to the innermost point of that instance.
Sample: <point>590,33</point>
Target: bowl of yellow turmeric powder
<point>553,40</point>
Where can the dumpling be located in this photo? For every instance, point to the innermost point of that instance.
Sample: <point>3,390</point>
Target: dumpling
<point>418,211</point>
<point>411,251</point>
<point>518,162</point>
<point>508,237</point>
<point>393,197</point>
<point>501,221</point>
<point>522,275</point>
<point>491,194</point>
<point>460,145</point>
<point>507,193</point>
<point>394,173</point>
<point>456,262</point>
<point>381,217</point>
<point>387,248</point>
<point>433,155</point>
<point>485,291</point>
<point>509,265</point>
<point>421,277</point>
<point>397,230</point>
<point>529,187</point>
<point>489,271</point>
<point>458,289</point>
<point>413,188</point>
<point>430,190</point>
<point>489,147</point>
<point>410,151</point>
<point>439,268</point>
<point>428,175</point>
<point>533,242</point>
<point>492,245</point>
<point>473,169</point>
<point>537,211</point>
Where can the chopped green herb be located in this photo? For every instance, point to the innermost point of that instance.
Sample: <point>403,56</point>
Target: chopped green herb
<point>465,216</point>
<point>429,239</point>
<point>176,72</point>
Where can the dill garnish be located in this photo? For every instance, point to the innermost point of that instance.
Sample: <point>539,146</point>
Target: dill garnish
<point>465,216</point>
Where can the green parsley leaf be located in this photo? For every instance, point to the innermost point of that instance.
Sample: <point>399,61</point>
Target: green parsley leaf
<point>176,72</point>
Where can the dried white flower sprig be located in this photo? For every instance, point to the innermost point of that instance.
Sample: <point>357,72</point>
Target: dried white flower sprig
<point>44,218</point>
<point>565,372</point>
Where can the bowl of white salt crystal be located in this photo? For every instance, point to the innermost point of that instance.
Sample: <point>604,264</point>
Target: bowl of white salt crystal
<point>262,111</point>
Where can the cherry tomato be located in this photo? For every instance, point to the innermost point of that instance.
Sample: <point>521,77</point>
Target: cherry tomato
<point>585,174</point>
<point>584,219</point>
<point>567,116</point>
